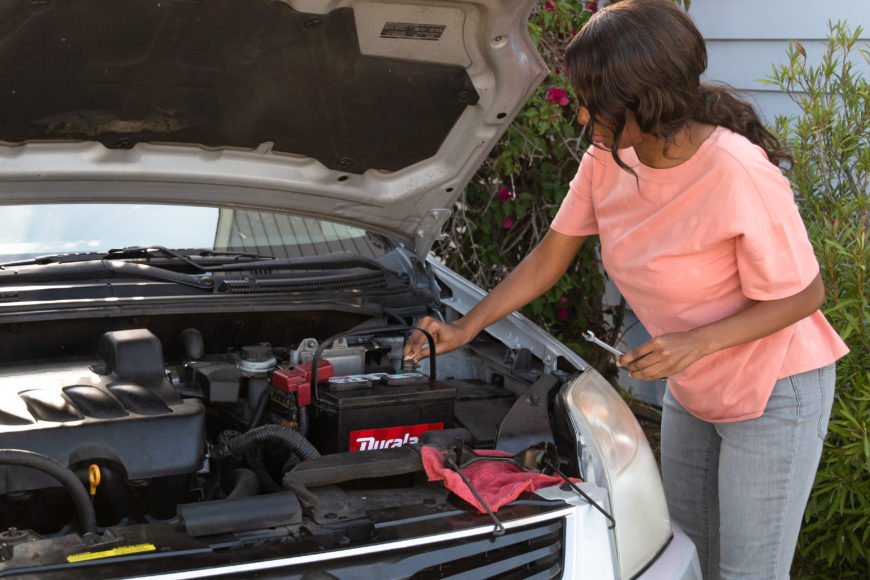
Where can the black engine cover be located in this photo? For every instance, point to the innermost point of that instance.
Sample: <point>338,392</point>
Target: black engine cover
<point>70,413</point>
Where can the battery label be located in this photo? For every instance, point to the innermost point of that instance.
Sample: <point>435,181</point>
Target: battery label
<point>386,437</point>
<point>412,31</point>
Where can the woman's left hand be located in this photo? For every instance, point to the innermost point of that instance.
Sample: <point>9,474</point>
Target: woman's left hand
<point>668,354</point>
<point>662,356</point>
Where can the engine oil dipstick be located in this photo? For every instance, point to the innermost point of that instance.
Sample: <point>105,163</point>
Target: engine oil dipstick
<point>94,479</point>
<point>591,338</point>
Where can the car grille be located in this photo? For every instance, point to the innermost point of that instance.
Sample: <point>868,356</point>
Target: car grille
<point>530,552</point>
<point>533,552</point>
<point>8,297</point>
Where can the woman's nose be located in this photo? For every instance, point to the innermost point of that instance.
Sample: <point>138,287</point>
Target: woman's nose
<point>583,116</point>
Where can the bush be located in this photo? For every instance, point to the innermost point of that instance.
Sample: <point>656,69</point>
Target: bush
<point>830,140</point>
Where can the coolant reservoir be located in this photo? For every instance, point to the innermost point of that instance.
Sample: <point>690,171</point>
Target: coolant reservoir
<point>256,363</point>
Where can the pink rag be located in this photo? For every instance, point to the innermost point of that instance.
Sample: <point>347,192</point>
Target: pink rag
<point>497,482</point>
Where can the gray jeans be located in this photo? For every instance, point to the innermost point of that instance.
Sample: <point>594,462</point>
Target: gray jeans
<point>739,489</point>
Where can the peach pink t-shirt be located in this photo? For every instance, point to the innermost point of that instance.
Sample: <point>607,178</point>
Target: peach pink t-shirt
<point>695,243</point>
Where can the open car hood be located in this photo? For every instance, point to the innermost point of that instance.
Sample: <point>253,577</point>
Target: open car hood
<point>375,114</point>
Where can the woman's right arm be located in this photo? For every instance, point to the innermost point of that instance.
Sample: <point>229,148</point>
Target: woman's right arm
<point>537,273</point>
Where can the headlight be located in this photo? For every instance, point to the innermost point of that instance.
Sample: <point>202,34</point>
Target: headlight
<point>615,455</point>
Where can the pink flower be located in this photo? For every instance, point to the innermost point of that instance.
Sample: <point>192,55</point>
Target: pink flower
<point>558,97</point>
<point>504,194</point>
<point>507,223</point>
<point>592,6</point>
<point>550,6</point>
<point>562,311</point>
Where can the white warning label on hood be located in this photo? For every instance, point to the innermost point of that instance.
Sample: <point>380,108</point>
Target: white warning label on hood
<point>412,31</point>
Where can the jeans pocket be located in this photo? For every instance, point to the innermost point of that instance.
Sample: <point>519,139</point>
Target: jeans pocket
<point>827,380</point>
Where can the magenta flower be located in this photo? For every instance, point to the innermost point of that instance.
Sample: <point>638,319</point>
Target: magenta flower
<point>504,194</point>
<point>592,6</point>
<point>550,6</point>
<point>558,97</point>
<point>507,223</point>
<point>562,311</point>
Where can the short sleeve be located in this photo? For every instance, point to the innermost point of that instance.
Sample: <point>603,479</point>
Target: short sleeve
<point>576,215</point>
<point>774,256</point>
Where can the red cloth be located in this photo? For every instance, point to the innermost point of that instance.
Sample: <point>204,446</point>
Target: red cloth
<point>497,482</point>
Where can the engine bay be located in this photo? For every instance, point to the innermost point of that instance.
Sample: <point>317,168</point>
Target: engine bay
<point>187,424</point>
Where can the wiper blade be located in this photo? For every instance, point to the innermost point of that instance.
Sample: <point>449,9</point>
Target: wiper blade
<point>134,253</point>
<point>114,261</point>
<point>248,261</point>
<point>74,270</point>
<point>184,255</point>
<point>342,261</point>
<point>54,259</point>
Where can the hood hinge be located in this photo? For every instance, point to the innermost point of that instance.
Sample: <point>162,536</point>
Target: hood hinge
<point>429,230</point>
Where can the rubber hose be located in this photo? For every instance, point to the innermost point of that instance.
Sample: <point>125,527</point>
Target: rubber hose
<point>238,446</point>
<point>245,483</point>
<point>260,411</point>
<point>77,491</point>
<point>254,459</point>
<point>303,421</point>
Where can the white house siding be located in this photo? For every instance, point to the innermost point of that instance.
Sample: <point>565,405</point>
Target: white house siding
<point>744,38</point>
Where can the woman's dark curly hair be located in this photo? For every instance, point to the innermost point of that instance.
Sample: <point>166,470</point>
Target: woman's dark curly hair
<point>646,57</point>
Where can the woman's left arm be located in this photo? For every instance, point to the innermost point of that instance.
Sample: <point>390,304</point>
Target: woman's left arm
<point>671,353</point>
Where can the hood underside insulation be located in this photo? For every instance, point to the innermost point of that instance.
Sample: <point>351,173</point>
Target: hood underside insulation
<point>222,74</point>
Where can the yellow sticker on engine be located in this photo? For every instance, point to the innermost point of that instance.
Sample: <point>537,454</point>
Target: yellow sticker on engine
<point>119,551</point>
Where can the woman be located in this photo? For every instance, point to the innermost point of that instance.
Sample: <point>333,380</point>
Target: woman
<point>700,232</point>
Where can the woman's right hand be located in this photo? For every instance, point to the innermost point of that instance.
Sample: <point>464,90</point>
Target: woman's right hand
<point>447,337</point>
<point>536,274</point>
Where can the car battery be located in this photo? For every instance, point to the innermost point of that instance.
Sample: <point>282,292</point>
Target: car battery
<point>378,411</point>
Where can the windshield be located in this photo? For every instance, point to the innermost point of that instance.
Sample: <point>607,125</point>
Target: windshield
<point>36,230</point>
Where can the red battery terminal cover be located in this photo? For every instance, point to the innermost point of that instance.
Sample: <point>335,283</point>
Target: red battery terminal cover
<point>298,379</point>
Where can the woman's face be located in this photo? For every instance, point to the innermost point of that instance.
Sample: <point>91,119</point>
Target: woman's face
<point>602,135</point>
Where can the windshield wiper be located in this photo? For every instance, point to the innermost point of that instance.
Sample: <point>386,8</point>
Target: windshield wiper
<point>115,261</point>
<point>134,253</point>
<point>341,261</point>
<point>54,259</point>
<point>243,261</point>
<point>75,270</point>
<point>148,252</point>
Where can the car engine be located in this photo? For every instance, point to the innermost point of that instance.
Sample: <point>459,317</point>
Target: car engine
<point>186,429</point>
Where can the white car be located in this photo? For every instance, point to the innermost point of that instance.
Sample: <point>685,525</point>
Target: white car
<point>216,224</point>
